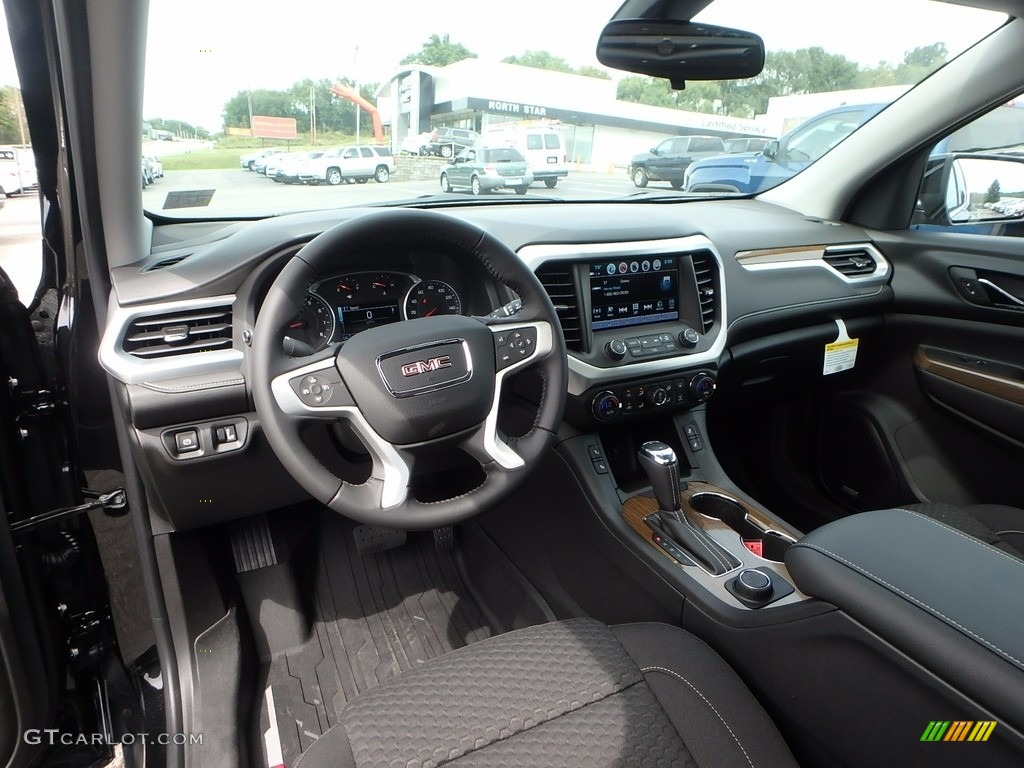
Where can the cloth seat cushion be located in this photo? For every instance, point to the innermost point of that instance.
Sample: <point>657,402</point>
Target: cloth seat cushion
<point>572,693</point>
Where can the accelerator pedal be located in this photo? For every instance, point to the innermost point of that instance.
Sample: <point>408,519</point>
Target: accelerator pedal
<point>444,539</point>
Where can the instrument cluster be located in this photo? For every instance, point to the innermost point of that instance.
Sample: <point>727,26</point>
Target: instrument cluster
<point>337,308</point>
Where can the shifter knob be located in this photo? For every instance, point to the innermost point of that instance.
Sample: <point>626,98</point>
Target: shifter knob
<point>662,467</point>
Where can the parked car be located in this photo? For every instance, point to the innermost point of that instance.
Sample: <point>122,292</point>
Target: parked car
<point>736,146</point>
<point>483,169</point>
<point>249,160</point>
<point>350,165</point>
<point>778,160</point>
<point>259,163</point>
<point>541,145</point>
<point>291,167</point>
<point>17,170</point>
<point>417,144</point>
<point>448,142</point>
<point>669,160</point>
<point>154,168</point>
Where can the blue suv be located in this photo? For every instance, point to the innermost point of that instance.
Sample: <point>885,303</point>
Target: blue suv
<point>750,172</point>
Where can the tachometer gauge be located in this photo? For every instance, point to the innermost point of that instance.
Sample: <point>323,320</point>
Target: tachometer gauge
<point>314,326</point>
<point>430,298</point>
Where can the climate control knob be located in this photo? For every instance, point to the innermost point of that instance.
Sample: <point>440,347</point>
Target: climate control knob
<point>615,349</point>
<point>606,406</point>
<point>702,386</point>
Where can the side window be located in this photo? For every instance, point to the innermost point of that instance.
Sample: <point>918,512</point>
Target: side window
<point>533,141</point>
<point>366,152</point>
<point>551,141</point>
<point>665,148</point>
<point>350,154</point>
<point>974,178</point>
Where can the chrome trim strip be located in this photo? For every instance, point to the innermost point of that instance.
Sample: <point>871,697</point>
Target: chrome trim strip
<point>755,261</point>
<point>583,375</point>
<point>132,370</point>
<point>497,449</point>
<point>388,464</point>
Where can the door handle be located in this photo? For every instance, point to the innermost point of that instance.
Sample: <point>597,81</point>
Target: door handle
<point>1005,294</point>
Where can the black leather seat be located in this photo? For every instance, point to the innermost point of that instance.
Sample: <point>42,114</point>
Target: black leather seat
<point>572,693</point>
<point>995,524</point>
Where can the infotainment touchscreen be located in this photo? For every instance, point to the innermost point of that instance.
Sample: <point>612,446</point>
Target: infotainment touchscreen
<point>636,291</point>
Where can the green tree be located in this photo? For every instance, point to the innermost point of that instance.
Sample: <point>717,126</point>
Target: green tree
<point>546,60</point>
<point>9,133</point>
<point>439,52</point>
<point>994,192</point>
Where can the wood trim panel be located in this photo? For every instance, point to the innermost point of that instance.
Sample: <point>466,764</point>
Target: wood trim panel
<point>636,508</point>
<point>989,384</point>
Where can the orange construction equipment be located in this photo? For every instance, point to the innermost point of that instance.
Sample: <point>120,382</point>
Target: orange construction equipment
<point>348,94</point>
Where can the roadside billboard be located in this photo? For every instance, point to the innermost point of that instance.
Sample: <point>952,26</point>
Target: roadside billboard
<point>274,127</point>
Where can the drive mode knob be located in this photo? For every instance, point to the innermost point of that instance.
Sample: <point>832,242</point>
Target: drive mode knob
<point>658,396</point>
<point>615,349</point>
<point>702,386</point>
<point>605,406</point>
<point>753,585</point>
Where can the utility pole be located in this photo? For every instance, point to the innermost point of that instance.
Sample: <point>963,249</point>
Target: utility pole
<point>355,63</point>
<point>19,109</point>
<point>312,114</point>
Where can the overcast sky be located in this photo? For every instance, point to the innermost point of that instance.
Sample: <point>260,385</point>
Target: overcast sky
<point>201,52</point>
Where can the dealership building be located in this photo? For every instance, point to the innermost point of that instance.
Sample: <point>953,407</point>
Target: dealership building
<point>599,130</point>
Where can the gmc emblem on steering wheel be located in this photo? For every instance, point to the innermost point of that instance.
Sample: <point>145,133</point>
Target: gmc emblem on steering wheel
<point>426,366</point>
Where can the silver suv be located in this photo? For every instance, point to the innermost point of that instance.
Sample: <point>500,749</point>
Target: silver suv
<point>350,165</point>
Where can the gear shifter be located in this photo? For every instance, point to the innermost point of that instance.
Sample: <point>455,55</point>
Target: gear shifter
<point>662,467</point>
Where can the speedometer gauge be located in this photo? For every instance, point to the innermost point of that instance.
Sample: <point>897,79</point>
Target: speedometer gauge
<point>430,298</point>
<point>314,326</point>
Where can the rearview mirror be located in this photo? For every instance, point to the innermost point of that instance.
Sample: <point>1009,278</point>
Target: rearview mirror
<point>679,50</point>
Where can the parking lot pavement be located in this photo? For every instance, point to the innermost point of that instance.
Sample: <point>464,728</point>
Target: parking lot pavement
<point>21,253</point>
<point>244,193</point>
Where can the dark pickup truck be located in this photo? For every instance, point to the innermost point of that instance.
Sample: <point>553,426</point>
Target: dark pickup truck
<point>669,160</point>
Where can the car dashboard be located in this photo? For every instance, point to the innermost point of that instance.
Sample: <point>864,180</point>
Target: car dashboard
<point>655,301</point>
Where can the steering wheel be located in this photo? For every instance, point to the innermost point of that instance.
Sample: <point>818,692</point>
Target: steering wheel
<point>408,387</point>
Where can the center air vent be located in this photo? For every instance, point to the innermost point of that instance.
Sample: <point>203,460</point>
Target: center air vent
<point>705,270</point>
<point>170,261</point>
<point>855,262</point>
<point>559,282</point>
<point>181,332</point>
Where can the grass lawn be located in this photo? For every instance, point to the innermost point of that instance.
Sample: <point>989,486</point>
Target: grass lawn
<point>229,156</point>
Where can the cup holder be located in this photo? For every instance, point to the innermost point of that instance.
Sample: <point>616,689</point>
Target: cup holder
<point>773,545</point>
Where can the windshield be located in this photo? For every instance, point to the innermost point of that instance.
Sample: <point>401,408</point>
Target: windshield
<point>322,104</point>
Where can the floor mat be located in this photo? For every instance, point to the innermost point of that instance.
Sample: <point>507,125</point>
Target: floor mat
<point>376,616</point>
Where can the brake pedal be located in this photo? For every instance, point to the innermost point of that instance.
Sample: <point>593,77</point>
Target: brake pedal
<point>371,539</point>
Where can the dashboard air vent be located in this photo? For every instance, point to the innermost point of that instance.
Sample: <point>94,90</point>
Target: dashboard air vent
<point>170,261</point>
<point>704,268</point>
<point>181,332</point>
<point>560,284</point>
<point>855,262</point>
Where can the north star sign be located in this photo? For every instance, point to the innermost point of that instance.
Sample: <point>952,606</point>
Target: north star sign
<point>516,108</point>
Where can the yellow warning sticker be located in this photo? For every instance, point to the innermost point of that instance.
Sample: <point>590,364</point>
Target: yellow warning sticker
<point>840,356</point>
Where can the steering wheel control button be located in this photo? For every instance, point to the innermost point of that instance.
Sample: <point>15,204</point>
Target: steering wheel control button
<point>512,346</point>
<point>606,406</point>
<point>186,441</point>
<point>615,349</point>
<point>321,389</point>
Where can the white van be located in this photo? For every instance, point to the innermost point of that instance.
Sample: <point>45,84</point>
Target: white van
<point>542,145</point>
<point>17,170</point>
